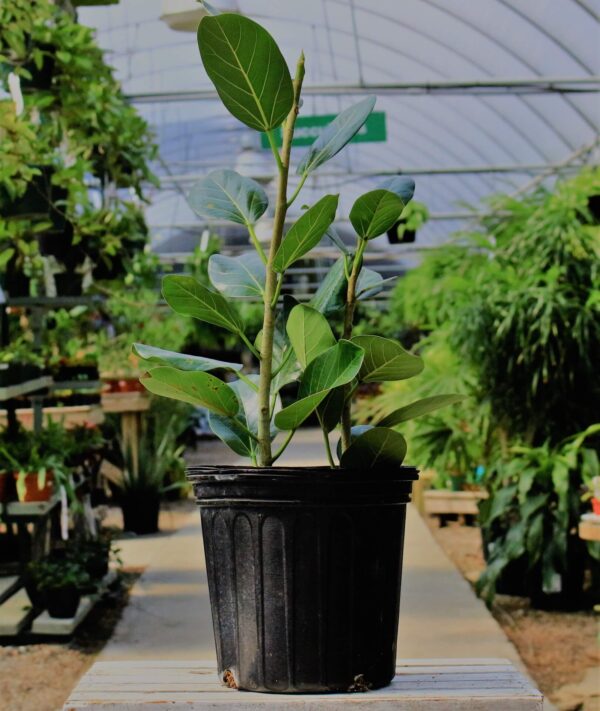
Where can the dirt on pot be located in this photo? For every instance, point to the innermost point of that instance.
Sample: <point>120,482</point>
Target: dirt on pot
<point>560,649</point>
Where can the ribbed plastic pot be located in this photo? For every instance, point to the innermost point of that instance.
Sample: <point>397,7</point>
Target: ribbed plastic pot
<point>304,572</point>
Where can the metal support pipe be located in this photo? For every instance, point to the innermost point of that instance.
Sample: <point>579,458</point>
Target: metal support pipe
<point>533,85</point>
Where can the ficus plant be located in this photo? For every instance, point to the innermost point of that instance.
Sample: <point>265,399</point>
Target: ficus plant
<point>296,342</point>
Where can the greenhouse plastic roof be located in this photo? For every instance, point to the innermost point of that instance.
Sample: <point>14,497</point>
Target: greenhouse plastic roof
<point>480,97</point>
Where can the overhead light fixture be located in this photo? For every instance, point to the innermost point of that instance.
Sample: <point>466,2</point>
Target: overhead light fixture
<point>184,15</point>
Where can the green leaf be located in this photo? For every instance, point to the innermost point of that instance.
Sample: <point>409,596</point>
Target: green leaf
<point>419,408</point>
<point>6,256</point>
<point>369,283</point>
<point>336,135</point>
<point>240,432</point>
<point>231,432</point>
<point>400,185</point>
<point>337,366</point>
<point>375,212</point>
<point>181,361</point>
<point>306,232</point>
<point>330,410</point>
<point>377,447</point>
<point>309,332</point>
<point>238,277</point>
<point>329,297</point>
<point>197,388</point>
<point>188,297</point>
<point>386,360</point>
<point>225,195</point>
<point>335,238</point>
<point>248,70</point>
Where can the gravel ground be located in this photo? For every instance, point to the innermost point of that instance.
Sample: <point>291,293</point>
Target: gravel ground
<point>560,649</point>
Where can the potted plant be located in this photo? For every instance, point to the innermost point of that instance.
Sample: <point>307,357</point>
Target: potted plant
<point>144,477</point>
<point>304,563</point>
<point>37,462</point>
<point>59,581</point>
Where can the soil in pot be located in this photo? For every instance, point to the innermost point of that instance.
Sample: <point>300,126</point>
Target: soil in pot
<point>31,490</point>
<point>304,572</point>
<point>62,603</point>
<point>140,512</point>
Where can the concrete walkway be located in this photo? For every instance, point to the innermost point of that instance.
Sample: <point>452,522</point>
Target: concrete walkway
<point>168,616</point>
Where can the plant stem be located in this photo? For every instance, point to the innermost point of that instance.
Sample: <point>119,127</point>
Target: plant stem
<point>347,334</point>
<point>275,150</point>
<point>327,445</point>
<point>297,190</point>
<point>256,243</point>
<point>265,456</point>
<point>284,445</point>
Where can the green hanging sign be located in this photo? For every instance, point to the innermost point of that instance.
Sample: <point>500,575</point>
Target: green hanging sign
<point>309,127</point>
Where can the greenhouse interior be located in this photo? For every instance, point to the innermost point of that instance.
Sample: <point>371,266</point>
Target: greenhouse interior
<point>299,344</point>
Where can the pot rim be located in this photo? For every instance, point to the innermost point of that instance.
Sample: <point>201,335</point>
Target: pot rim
<point>318,474</point>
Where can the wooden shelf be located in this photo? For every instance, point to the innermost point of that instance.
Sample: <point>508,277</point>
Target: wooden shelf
<point>70,416</point>
<point>589,527</point>
<point>116,403</point>
<point>438,501</point>
<point>419,685</point>
<point>29,386</point>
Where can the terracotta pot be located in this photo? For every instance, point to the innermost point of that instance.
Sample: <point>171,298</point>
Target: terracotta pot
<point>32,492</point>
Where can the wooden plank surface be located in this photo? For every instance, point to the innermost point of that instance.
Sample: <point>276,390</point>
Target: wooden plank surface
<point>589,529</point>
<point>452,502</point>
<point>125,402</point>
<point>15,613</point>
<point>420,684</point>
<point>30,386</point>
<point>9,584</point>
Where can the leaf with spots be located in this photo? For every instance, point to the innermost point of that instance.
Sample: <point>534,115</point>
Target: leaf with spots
<point>197,388</point>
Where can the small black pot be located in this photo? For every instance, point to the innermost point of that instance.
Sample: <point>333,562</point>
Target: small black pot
<point>304,570</point>
<point>62,603</point>
<point>68,284</point>
<point>140,512</point>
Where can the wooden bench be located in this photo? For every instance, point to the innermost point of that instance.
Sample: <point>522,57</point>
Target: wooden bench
<point>442,503</point>
<point>420,684</point>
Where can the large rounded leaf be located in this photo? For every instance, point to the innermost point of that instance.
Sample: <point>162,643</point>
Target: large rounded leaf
<point>419,408</point>
<point>232,433</point>
<point>337,366</point>
<point>238,277</point>
<point>336,135</point>
<point>329,297</point>
<point>306,232</point>
<point>188,297</point>
<point>181,361</point>
<point>386,360</point>
<point>377,447</point>
<point>369,283</point>
<point>226,195</point>
<point>401,185</point>
<point>309,333</point>
<point>248,70</point>
<point>196,388</point>
<point>375,212</point>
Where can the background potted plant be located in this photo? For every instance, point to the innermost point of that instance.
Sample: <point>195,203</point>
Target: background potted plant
<point>145,476</point>
<point>37,462</point>
<point>332,535</point>
<point>59,582</point>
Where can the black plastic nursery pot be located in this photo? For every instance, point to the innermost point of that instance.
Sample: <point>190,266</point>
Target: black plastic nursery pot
<point>62,603</point>
<point>304,572</point>
<point>140,512</point>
